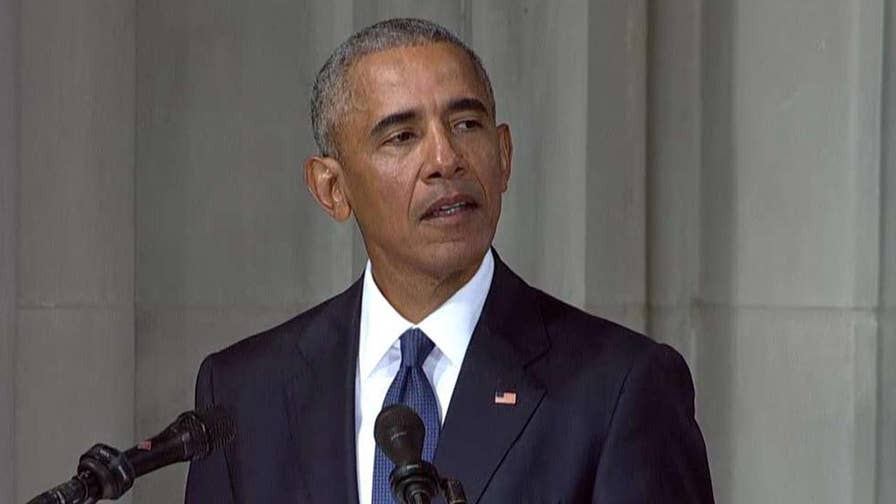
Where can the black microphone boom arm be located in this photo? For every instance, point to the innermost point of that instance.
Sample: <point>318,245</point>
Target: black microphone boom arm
<point>106,473</point>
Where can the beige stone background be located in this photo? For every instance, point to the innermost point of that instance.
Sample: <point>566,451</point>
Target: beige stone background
<point>718,173</point>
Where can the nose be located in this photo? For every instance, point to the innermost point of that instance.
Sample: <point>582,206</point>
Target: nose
<point>443,160</point>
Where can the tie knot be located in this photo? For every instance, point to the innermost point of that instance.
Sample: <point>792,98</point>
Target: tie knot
<point>415,347</point>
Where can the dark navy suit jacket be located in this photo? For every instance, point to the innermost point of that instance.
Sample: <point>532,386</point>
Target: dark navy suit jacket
<point>603,414</point>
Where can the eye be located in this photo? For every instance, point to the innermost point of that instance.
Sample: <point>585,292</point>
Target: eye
<point>467,124</point>
<point>402,137</point>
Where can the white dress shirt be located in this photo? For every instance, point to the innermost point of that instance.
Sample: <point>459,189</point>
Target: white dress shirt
<point>450,327</point>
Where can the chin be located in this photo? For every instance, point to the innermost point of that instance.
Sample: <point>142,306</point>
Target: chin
<point>456,257</point>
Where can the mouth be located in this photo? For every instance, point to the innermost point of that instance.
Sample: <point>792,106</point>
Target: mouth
<point>449,207</point>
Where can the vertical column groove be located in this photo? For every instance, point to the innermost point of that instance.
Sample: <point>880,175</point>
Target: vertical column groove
<point>10,57</point>
<point>885,483</point>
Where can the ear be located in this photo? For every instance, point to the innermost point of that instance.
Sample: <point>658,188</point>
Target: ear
<point>326,182</point>
<point>505,145</point>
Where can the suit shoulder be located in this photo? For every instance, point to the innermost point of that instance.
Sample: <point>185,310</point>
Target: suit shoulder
<point>594,354</point>
<point>271,345</point>
<point>581,335</point>
<point>576,324</point>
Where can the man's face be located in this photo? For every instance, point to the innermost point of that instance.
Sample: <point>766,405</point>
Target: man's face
<point>423,163</point>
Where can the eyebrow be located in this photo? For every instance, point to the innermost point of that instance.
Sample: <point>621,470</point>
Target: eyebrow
<point>391,120</point>
<point>467,104</point>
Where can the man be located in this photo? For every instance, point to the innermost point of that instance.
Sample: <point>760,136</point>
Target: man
<point>525,399</point>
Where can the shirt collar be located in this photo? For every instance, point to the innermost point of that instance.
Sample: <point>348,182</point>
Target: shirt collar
<point>450,326</point>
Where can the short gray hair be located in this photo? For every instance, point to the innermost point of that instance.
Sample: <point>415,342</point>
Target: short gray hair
<point>330,94</point>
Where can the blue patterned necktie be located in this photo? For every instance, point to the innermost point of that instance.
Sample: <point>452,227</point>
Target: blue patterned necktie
<point>411,388</point>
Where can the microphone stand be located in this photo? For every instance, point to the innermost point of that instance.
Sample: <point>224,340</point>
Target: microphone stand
<point>106,473</point>
<point>417,482</point>
<point>453,491</point>
<point>103,473</point>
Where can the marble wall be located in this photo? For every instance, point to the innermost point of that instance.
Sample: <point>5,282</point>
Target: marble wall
<point>718,174</point>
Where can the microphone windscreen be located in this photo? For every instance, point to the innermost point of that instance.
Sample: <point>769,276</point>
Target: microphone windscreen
<point>210,428</point>
<point>399,432</point>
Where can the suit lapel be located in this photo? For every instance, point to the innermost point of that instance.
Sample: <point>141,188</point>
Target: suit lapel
<point>320,402</point>
<point>478,432</point>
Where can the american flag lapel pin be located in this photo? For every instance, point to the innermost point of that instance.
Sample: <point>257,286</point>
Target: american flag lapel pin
<point>507,397</point>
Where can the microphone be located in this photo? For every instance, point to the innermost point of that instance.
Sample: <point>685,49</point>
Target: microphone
<point>399,432</point>
<point>192,436</point>
<point>105,473</point>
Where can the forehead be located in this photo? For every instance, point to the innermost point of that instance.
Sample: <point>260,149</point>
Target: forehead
<point>412,77</point>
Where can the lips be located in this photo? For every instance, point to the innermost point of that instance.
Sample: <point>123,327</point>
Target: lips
<point>450,205</point>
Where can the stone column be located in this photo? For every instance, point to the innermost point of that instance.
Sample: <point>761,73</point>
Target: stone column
<point>673,173</point>
<point>790,158</point>
<point>229,242</point>
<point>613,202</point>
<point>9,221</point>
<point>886,443</point>
<point>74,358</point>
<point>569,78</point>
<point>529,48</point>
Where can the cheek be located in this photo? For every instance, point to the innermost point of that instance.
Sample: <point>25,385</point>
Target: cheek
<point>486,159</point>
<point>390,192</point>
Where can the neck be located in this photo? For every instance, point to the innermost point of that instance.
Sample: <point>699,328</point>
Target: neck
<point>415,295</point>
